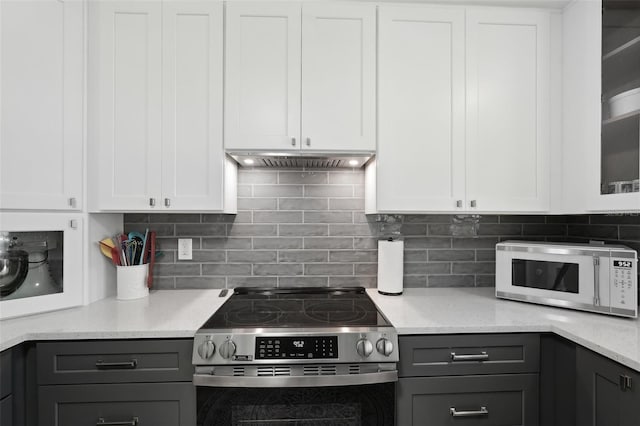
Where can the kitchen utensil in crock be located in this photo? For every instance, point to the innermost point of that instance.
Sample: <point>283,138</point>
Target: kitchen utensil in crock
<point>105,247</point>
<point>14,267</point>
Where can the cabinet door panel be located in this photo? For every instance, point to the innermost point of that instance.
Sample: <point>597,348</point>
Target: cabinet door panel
<point>41,116</point>
<point>262,78</point>
<point>131,361</point>
<point>507,110</point>
<point>434,355</point>
<point>192,164</point>
<point>420,162</point>
<point>510,399</point>
<point>130,104</point>
<point>6,411</point>
<point>600,400</point>
<point>158,404</point>
<point>338,77</point>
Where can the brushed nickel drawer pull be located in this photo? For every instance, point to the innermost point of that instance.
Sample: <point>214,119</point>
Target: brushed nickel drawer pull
<point>479,413</point>
<point>125,365</point>
<point>103,422</point>
<point>482,356</point>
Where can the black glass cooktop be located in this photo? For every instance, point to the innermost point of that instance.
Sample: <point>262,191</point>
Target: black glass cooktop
<point>250,307</point>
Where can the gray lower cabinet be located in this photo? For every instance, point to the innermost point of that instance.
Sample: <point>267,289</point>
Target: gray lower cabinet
<point>12,386</point>
<point>607,393</point>
<point>469,379</point>
<point>114,361</point>
<point>6,411</point>
<point>153,404</point>
<point>116,382</point>
<point>509,399</point>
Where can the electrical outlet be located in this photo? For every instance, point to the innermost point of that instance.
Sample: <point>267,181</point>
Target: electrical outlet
<point>184,249</point>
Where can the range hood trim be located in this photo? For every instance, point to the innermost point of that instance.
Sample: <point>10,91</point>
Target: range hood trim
<point>299,158</point>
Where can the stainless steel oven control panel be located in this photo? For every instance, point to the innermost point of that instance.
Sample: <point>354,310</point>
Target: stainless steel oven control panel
<point>295,346</point>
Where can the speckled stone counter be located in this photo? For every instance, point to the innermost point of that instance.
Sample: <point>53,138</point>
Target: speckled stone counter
<point>179,313</point>
<point>476,310</point>
<point>164,314</point>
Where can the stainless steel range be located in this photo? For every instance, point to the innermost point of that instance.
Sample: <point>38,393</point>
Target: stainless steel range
<point>299,356</point>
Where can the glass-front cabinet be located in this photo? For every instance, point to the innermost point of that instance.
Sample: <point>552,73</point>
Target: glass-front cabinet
<point>620,132</point>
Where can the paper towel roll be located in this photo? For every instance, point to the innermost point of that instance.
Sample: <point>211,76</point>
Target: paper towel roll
<point>390,267</point>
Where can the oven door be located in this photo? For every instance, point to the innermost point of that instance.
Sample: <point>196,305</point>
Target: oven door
<point>576,281</point>
<point>300,401</point>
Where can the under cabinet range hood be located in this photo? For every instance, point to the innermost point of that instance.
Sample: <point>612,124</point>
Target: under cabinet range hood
<point>298,159</point>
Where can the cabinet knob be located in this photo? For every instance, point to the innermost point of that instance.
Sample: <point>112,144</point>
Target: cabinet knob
<point>167,202</point>
<point>73,224</point>
<point>152,202</point>
<point>293,141</point>
<point>473,203</point>
<point>72,202</point>
<point>308,141</point>
<point>459,204</point>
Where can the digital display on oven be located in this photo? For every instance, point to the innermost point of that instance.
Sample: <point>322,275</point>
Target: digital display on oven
<point>303,347</point>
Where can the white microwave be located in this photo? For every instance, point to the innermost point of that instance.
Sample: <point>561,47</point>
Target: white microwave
<point>588,277</point>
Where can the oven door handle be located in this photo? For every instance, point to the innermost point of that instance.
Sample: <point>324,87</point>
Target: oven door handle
<point>209,380</point>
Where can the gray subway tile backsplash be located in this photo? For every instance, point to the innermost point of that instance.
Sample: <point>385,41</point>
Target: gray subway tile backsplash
<point>308,228</point>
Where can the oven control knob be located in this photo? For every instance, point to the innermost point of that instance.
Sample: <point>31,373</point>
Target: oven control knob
<point>384,346</point>
<point>227,349</point>
<point>207,349</point>
<point>364,347</point>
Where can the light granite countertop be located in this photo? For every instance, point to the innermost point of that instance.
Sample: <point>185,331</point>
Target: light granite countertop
<point>164,314</point>
<point>179,313</point>
<point>476,310</point>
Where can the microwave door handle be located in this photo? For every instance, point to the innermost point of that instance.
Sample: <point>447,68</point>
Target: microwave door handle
<point>596,281</point>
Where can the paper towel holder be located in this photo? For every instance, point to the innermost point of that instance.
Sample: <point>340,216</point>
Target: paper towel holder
<point>390,266</point>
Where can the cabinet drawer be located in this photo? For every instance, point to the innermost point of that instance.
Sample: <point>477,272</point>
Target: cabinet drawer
<point>447,355</point>
<point>6,411</point>
<point>5,373</point>
<point>157,404</point>
<point>114,361</point>
<point>510,399</point>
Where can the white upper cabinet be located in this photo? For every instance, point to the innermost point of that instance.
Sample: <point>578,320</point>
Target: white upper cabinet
<point>420,161</point>
<point>41,104</point>
<point>158,114</point>
<point>507,110</point>
<point>338,77</point>
<point>192,159</point>
<point>129,96</point>
<point>262,79</point>
<point>300,76</point>
<point>463,110</point>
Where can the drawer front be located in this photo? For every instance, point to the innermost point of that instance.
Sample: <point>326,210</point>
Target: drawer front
<point>473,400</point>
<point>157,404</point>
<point>5,373</point>
<point>114,361</point>
<point>6,411</point>
<point>464,354</point>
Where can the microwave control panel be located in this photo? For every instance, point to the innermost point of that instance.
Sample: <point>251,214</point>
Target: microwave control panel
<point>624,286</point>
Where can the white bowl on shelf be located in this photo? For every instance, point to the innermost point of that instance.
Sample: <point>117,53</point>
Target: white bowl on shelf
<point>625,103</point>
